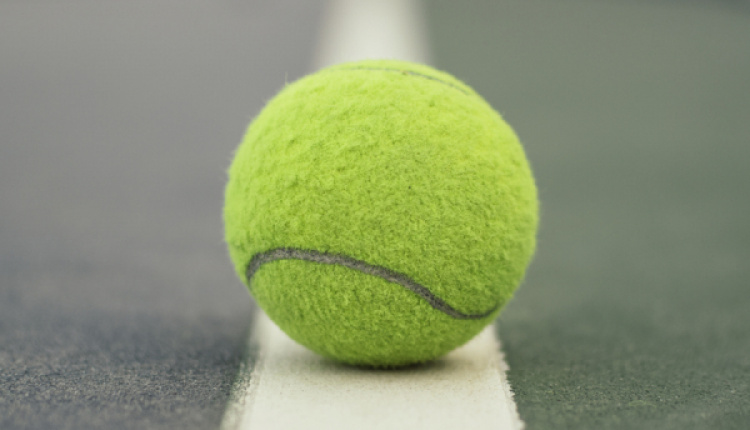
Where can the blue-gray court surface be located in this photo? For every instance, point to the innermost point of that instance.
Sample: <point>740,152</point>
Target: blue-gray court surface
<point>118,305</point>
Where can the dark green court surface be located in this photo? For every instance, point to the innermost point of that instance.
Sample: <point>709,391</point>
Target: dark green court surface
<point>118,307</point>
<point>636,117</point>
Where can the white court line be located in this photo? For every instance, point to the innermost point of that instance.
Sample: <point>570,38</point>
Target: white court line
<point>360,29</point>
<point>292,388</point>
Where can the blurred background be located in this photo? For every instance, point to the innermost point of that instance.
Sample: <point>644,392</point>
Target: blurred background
<point>119,307</point>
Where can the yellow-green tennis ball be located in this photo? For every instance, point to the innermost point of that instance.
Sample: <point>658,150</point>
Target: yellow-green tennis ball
<point>380,212</point>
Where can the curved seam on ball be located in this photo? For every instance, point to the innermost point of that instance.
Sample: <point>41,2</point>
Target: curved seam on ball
<point>408,72</point>
<point>262,258</point>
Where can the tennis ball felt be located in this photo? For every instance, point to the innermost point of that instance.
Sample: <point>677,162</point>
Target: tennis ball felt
<point>380,212</point>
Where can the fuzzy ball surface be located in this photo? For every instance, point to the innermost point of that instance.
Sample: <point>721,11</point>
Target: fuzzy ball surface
<point>380,212</point>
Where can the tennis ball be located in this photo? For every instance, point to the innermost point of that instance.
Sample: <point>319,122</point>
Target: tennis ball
<point>380,212</point>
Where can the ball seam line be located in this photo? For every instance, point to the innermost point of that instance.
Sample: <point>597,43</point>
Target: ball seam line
<point>407,72</point>
<point>389,275</point>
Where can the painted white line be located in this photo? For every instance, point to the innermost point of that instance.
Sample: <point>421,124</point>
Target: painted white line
<point>361,29</point>
<point>291,388</point>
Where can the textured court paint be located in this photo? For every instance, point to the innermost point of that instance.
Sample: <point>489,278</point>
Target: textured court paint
<point>292,388</point>
<point>117,311</point>
<point>397,165</point>
<point>635,312</point>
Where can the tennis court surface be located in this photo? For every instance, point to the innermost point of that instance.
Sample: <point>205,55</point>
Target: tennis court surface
<point>119,308</point>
